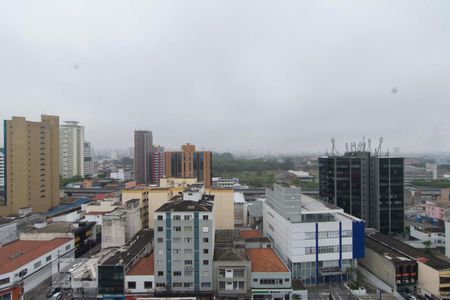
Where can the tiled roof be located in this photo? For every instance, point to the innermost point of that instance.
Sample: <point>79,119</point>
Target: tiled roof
<point>230,254</point>
<point>251,233</point>
<point>265,260</point>
<point>145,266</point>
<point>19,253</point>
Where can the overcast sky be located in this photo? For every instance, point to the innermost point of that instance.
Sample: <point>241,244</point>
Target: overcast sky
<point>280,76</point>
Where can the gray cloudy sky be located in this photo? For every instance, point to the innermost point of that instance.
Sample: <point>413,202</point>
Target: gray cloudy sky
<point>232,75</point>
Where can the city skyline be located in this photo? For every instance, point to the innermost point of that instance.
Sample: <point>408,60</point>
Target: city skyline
<point>245,75</point>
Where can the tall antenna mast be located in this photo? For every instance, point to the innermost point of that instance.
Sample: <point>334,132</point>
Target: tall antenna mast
<point>380,140</point>
<point>369,141</point>
<point>333,146</point>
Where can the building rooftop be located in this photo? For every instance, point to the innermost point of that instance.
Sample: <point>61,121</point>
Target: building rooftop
<point>186,205</point>
<point>18,253</point>
<point>255,208</point>
<point>388,252</point>
<point>145,266</point>
<point>250,233</point>
<point>230,254</point>
<point>265,260</point>
<point>125,254</point>
<point>408,250</point>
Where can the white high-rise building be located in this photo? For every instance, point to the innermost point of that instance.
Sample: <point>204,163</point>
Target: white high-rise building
<point>71,149</point>
<point>89,169</point>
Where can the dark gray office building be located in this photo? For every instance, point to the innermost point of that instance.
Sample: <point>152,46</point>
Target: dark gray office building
<point>143,148</point>
<point>366,186</point>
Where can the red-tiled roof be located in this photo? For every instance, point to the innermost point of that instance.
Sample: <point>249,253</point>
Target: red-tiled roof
<point>265,260</point>
<point>145,266</point>
<point>94,213</point>
<point>19,253</point>
<point>251,233</point>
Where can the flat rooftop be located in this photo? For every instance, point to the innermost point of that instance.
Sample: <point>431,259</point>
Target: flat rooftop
<point>408,250</point>
<point>125,254</point>
<point>265,260</point>
<point>145,266</point>
<point>19,253</point>
<point>185,206</point>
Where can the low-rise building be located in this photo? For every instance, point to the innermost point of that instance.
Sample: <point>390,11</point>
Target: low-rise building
<point>270,279</point>
<point>113,270</point>
<point>232,273</point>
<point>300,175</point>
<point>140,279</point>
<point>26,267</point>
<point>433,274</point>
<point>141,193</point>
<point>434,235</point>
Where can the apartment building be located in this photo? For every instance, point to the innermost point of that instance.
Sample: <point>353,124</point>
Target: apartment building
<point>140,193</point>
<point>316,240</point>
<point>31,164</point>
<point>143,147</point>
<point>71,149</point>
<point>184,247</point>
<point>89,165</point>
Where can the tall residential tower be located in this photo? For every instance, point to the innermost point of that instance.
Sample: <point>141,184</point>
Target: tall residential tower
<point>71,145</point>
<point>31,164</point>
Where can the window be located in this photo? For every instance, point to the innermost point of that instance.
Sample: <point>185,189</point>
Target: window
<point>176,228</point>
<point>131,284</point>
<point>255,280</point>
<point>37,264</point>
<point>187,217</point>
<point>286,279</point>
<point>188,284</point>
<point>177,284</point>
<point>48,258</point>
<point>206,262</point>
<point>160,240</point>
<point>177,217</point>
<point>221,273</point>
<point>188,229</point>
<point>187,240</point>
<point>160,229</point>
<point>238,285</point>
<point>160,218</point>
<point>148,285</point>
<point>310,250</point>
<point>205,217</point>
<point>68,247</point>
<point>176,251</point>
<point>160,273</point>
<point>4,281</point>
<point>205,229</point>
<point>160,251</point>
<point>160,285</point>
<point>239,273</point>
<point>205,240</point>
<point>176,273</point>
<point>270,281</point>
<point>206,284</point>
<point>222,285</point>
<point>188,262</point>
<point>205,251</point>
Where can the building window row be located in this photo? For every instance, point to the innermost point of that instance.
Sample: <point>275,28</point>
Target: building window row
<point>328,249</point>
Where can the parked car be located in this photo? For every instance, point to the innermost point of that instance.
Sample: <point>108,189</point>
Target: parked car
<point>52,291</point>
<point>57,296</point>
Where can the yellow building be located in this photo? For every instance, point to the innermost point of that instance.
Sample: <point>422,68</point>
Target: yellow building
<point>31,164</point>
<point>223,207</point>
<point>141,193</point>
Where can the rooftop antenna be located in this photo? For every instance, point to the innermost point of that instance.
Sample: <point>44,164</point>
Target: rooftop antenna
<point>387,152</point>
<point>346,147</point>
<point>363,143</point>
<point>380,140</point>
<point>333,146</point>
<point>369,141</point>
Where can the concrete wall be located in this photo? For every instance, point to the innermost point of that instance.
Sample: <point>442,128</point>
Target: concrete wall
<point>113,231</point>
<point>8,233</point>
<point>232,265</point>
<point>428,280</point>
<point>139,279</point>
<point>156,198</point>
<point>223,208</point>
<point>380,266</point>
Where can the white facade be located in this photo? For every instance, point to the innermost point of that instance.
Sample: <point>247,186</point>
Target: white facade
<point>447,237</point>
<point>437,239</point>
<point>319,234</point>
<point>89,169</point>
<point>121,175</point>
<point>71,149</point>
<point>8,233</point>
<point>139,283</point>
<point>39,269</point>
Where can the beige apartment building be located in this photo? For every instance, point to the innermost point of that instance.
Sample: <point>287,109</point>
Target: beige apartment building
<point>31,164</point>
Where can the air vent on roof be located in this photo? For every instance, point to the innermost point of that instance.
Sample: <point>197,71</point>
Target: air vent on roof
<point>15,255</point>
